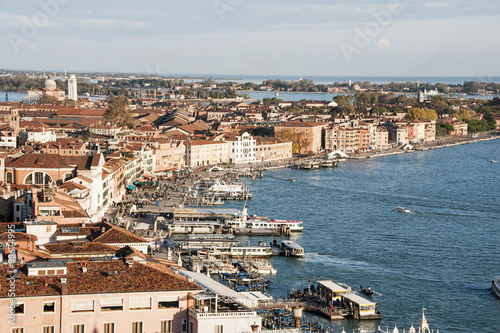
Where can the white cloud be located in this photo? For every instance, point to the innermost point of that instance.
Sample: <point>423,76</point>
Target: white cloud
<point>437,4</point>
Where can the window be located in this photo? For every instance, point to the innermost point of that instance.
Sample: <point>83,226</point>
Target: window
<point>191,327</point>
<point>165,302</point>
<point>38,178</point>
<point>184,325</point>
<point>109,328</point>
<point>219,329</point>
<point>48,329</point>
<point>137,327</point>
<point>9,178</point>
<point>79,328</point>
<point>17,330</point>
<point>140,303</point>
<point>165,326</point>
<point>49,307</point>
<point>19,308</point>
<point>82,305</point>
<point>112,304</point>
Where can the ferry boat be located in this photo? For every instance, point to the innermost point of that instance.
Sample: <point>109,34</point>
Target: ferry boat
<point>241,251</point>
<point>243,223</point>
<point>328,164</point>
<point>229,190</point>
<point>209,242</point>
<point>294,249</point>
<point>495,285</point>
<point>315,165</point>
<point>402,210</point>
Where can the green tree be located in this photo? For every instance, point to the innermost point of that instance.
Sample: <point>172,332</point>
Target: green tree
<point>443,129</point>
<point>341,100</point>
<point>379,110</point>
<point>118,112</point>
<point>421,113</point>
<point>462,114</point>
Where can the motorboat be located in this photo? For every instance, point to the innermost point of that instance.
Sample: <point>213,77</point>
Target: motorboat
<point>493,161</point>
<point>402,210</point>
<point>495,285</point>
<point>366,291</point>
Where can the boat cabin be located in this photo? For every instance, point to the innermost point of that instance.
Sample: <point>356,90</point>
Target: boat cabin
<point>362,308</point>
<point>331,291</point>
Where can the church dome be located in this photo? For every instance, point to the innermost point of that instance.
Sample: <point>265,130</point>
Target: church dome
<point>50,84</point>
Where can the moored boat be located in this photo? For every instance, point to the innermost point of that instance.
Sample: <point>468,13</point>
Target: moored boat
<point>243,222</point>
<point>495,285</point>
<point>293,249</point>
<point>328,164</point>
<point>306,166</point>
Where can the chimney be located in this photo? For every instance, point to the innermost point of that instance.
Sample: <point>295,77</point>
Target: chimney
<point>297,316</point>
<point>64,286</point>
<point>255,327</point>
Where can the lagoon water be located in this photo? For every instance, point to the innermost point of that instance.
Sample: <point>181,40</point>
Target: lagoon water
<point>441,257</point>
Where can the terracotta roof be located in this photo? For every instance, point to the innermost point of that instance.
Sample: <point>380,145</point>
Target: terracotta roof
<point>135,278</point>
<point>18,236</point>
<point>4,226</point>
<point>64,248</point>
<point>117,235</point>
<point>52,161</point>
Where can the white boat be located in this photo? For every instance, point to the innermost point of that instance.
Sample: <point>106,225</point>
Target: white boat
<point>254,251</point>
<point>402,210</point>
<point>493,161</point>
<point>495,285</point>
<point>294,249</point>
<point>264,268</point>
<point>228,190</point>
<point>244,221</point>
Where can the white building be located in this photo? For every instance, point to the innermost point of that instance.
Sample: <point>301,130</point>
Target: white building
<point>242,149</point>
<point>72,91</point>
<point>42,136</point>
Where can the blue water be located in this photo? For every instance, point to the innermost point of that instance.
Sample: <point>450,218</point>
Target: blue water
<point>18,96</point>
<point>297,96</point>
<point>441,257</point>
<point>331,79</point>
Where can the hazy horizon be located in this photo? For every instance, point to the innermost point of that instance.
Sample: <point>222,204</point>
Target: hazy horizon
<point>235,37</point>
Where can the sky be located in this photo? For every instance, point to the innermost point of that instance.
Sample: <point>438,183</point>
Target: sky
<point>260,37</point>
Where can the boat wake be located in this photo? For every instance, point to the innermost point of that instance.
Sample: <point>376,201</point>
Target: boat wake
<point>347,263</point>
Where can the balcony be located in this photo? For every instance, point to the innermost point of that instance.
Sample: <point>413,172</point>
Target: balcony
<point>208,305</point>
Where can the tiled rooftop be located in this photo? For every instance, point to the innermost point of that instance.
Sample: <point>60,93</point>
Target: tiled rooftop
<point>135,278</point>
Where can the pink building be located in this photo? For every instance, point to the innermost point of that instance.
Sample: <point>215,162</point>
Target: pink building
<point>95,296</point>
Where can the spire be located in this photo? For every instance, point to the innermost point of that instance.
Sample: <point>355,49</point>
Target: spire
<point>395,330</point>
<point>424,326</point>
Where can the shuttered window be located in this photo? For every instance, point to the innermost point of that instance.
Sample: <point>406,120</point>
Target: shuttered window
<point>82,305</point>
<point>139,303</point>
<point>111,304</point>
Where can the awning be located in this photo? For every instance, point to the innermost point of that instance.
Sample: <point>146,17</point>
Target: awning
<point>131,187</point>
